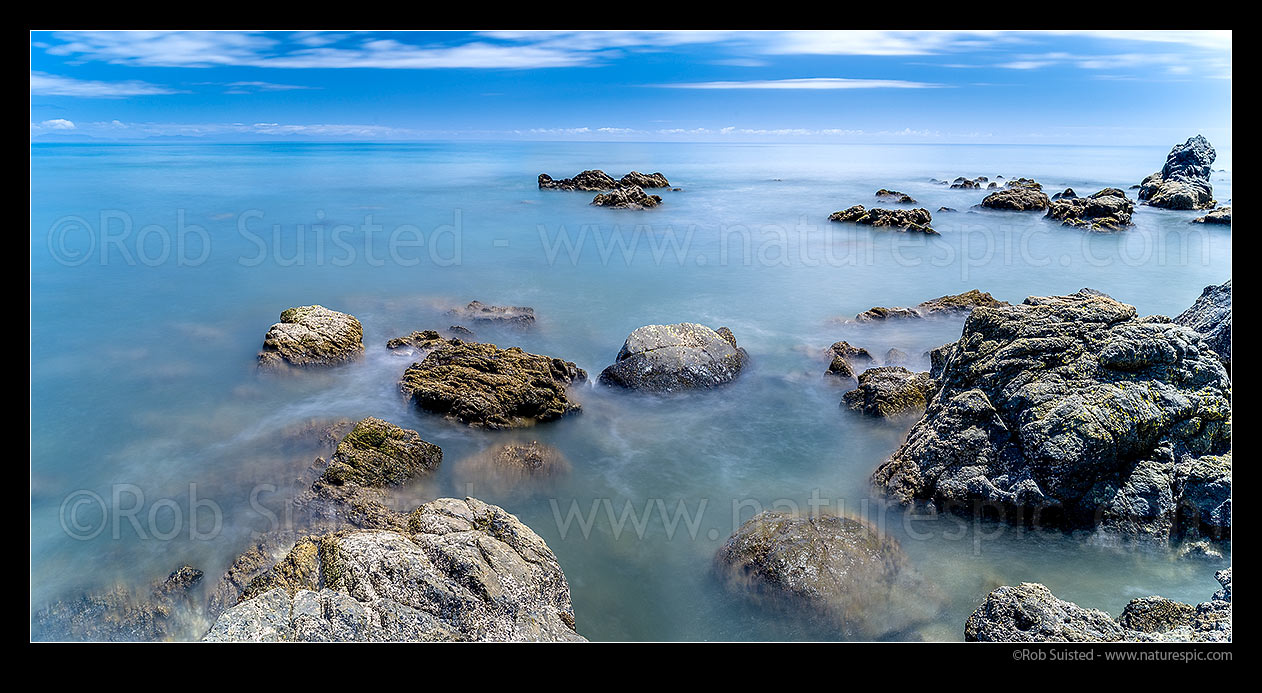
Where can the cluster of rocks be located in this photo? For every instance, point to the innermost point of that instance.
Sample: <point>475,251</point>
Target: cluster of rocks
<point>312,336</point>
<point>1221,215</point>
<point>917,219</point>
<point>1107,210</point>
<point>943,306</point>
<point>625,193</point>
<point>895,196</point>
<point>1184,181</point>
<point>962,183</point>
<point>684,356</point>
<point>1030,612</point>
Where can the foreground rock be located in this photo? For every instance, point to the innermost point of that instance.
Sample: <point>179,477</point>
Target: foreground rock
<point>627,197</point>
<point>119,615</point>
<point>1020,198</point>
<point>824,565</point>
<point>1210,315</point>
<point>895,196</point>
<point>1030,612</point>
<point>312,336</point>
<point>486,386</point>
<point>890,392</point>
<point>461,570</point>
<point>684,356</point>
<point>1183,183</point>
<point>917,219</point>
<point>1072,411</point>
<point>1107,210</point>
<point>1221,215</point>
<point>477,311</point>
<point>943,306</point>
<point>590,181</point>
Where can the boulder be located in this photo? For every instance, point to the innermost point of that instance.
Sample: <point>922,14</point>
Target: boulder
<point>378,453</point>
<point>476,311</point>
<point>1107,210</point>
<point>312,336</point>
<point>895,196</point>
<point>1020,198</point>
<point>917,219</point>
<point>1221,215</point>
<point>847,360</point>
<point>890,392</point>
<point>627,197</point>
<point>1184,182</point>
<point>896,357</point>
<point>1068,194</point>
<point>587,180</point>
<point>1072,411</point>
<point>684,356</point>
<point>943,306</point>
<point>119,614</point>
<point>962,183</point>
<point>1210,315</point>
<point>511,465</point>
<point>653,180</point>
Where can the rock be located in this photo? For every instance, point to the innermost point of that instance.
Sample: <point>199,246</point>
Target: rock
<point>635,178</point>
<point>378,453</point>
<point>826,565</point>
<point>1201,549</point>
<point>1210,315</point>
<point>901,198</point>
<point>1183,183</point>
<point>462,570</point>
<point>1068,194</point>
<point>1202,491</point>
<point>119,615</point>
<point>1072,410</point>
<point>943,306</point>
<point>486,386</point>
<point>587,180</point>
<point>945,209</point>
<point>896,357</point>
<point>1031,613</point>
<point>312,336</point>
<point>1106,210</point>
<point>1221,215</point>
<point>890,392</point>
<point>1026,183</point>
<point>1020,198</point>
<point>684,356</point>
<point>917,219</point>
<point>511,465</point>
<point>962,183</point>
<point>846,359</point>
<point>476,311</point>
<point>627,197</point>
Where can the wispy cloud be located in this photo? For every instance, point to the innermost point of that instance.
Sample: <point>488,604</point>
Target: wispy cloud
<point>805,83</point>
<point>54,85</point>
<point>56,124</point>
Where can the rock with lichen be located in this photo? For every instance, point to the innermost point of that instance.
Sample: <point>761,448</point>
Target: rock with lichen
<point>1020,198</point>
<point>627,197</point>
<point>311,336</point>
<point>890,392</point>
<point>908,220</point>
<point>848,360</point>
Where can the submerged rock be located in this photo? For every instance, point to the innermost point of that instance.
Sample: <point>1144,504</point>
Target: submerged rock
<point>1107,210</point>
<point>1030,612</point>
<point>120,615</point>
<point>652,180</point>
<point>312,336</point>
<point>484,385</point>
<point>512,465</point>
<point>683,356</point>
<point>1184,182</point>
<point>917,219</point>
<point>1071,411</point>
<point>591,180</point>
<point>627,197</point>
<point>1021,198</point>
<point>1210,315</point>
<point>943,306</point>
<point>378,453</point>
<point>894,195</point>
<point>461,570</point>
<point>1221,215</point>
<point>890,392</point>
<point>477,311</point>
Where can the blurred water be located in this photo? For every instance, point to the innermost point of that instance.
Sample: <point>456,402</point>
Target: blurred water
<point>149,303</point>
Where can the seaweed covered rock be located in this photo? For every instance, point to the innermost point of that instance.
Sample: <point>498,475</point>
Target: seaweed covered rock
<point>917,219</point>
<point>1183,183</point>
<point>1221,216</point>
<point>378,453</point>
<point>895,196</point>
<point>121,615</point>
<point>590,180</point>
<point>644,180</point>
<point>890,392</point>
<point>627,197</point>
<point>683,356</point>
<point>943,306</point>
<point>484,385</point>
<point>1068,410</point>
<point>1210,315</point>
<point>1106,210</point>
<point>312,336</point>
<point>1020,198</point>
<point>460,570</point>
<point>477,311</point>
<point>848,360</point>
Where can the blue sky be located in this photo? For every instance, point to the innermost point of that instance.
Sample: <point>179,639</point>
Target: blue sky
<point>1103,87</point>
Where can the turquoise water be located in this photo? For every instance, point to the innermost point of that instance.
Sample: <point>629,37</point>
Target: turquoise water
<point>156,270</point>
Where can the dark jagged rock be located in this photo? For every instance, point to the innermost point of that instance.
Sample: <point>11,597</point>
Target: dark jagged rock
<point>890,392</point>
<point>1184,182</point>
<point>589,181</point>
<point>901,198</point>
<point>119,615</point>
<point>945,209</point>
<point>896,357</point>
<point>1210,315</point>
<point>962,183</point>
<point>1221,215</point>
<point>847,360</point>
<point>1105,210</point>
<point>1020,198</point>
<point>654,180</point>
<point>312,336</point>
<point>957,304</point>
<point>1068,194</point>
<point>1072,411</point>
<point>684,356</point>
<point>1031,613</point>
<point>477,311</point>
<point>627,197</point>
<point>917,219</point>
<point>486,386</point>
<point>378,453</point>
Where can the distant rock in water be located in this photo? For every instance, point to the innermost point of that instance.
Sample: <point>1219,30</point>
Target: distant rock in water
<point>894,195</point>
<point>1221,215</point>
<point>476,311</point>
<point>1068,194</point>
<point>848,360</point>
<point>683,356</point>
<point>119,615</point>
<point>901,219</point>
<point>486,386</point>
<point>1072,411</point>
<point>653,180</point>
<point>962,183</point>
<point>1184,182</point>
<point>627,197</point>
<point>512,465</point>
<point>459,570</point>
<point>1107,210</point>
<point>943,306</point>
<point>312,336</point>
<point>895,357</point>
<point>1026,183</point>
<point>891,392</point>
<point>1030,612</point>
<point>590,181</point>
<point>1018,197</point>
<point>945,209</point>
<point>1210,315</point>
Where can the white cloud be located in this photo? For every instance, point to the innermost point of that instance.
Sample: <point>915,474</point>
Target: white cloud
<point>54,124</point>
<point>806,83</point>
<point>54,85</point>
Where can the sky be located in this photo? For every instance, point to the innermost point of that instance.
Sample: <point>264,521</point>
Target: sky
<point>1005,87</point>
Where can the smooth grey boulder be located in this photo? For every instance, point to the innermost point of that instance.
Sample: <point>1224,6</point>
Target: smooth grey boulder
<point>310,336</point>
<point>1210,315</point>
<point>683,356</point>
<point>1183,183</point>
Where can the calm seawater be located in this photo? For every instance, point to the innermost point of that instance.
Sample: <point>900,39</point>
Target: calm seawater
<point>157,269</point>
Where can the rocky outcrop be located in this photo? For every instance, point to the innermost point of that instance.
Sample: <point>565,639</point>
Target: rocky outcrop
<point>917,219</point>
<point>1072,411</point>
<point>479,312</point>
<point>890,392</point>
<point>1067,194</point>
<point>895,196</point>
<point>1021,198</point>
<point>1183,183</point>
<point>378,453</point>
<point>1107,210</point>
<point>311,336</point>
<point>589,181</point>
<point>824,565</point>
<point>1210,315</point>
<point>943,306</point>
<point>643,180</point>
<point>121,615</point>
<point>461,570</point>
<point>683,356</point>
<point>962,183</point>
<point>1221,215</point>
<point>486,386</point>
<point>627,197</point>
<point>1030,612</point>
<point>848,360</point>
